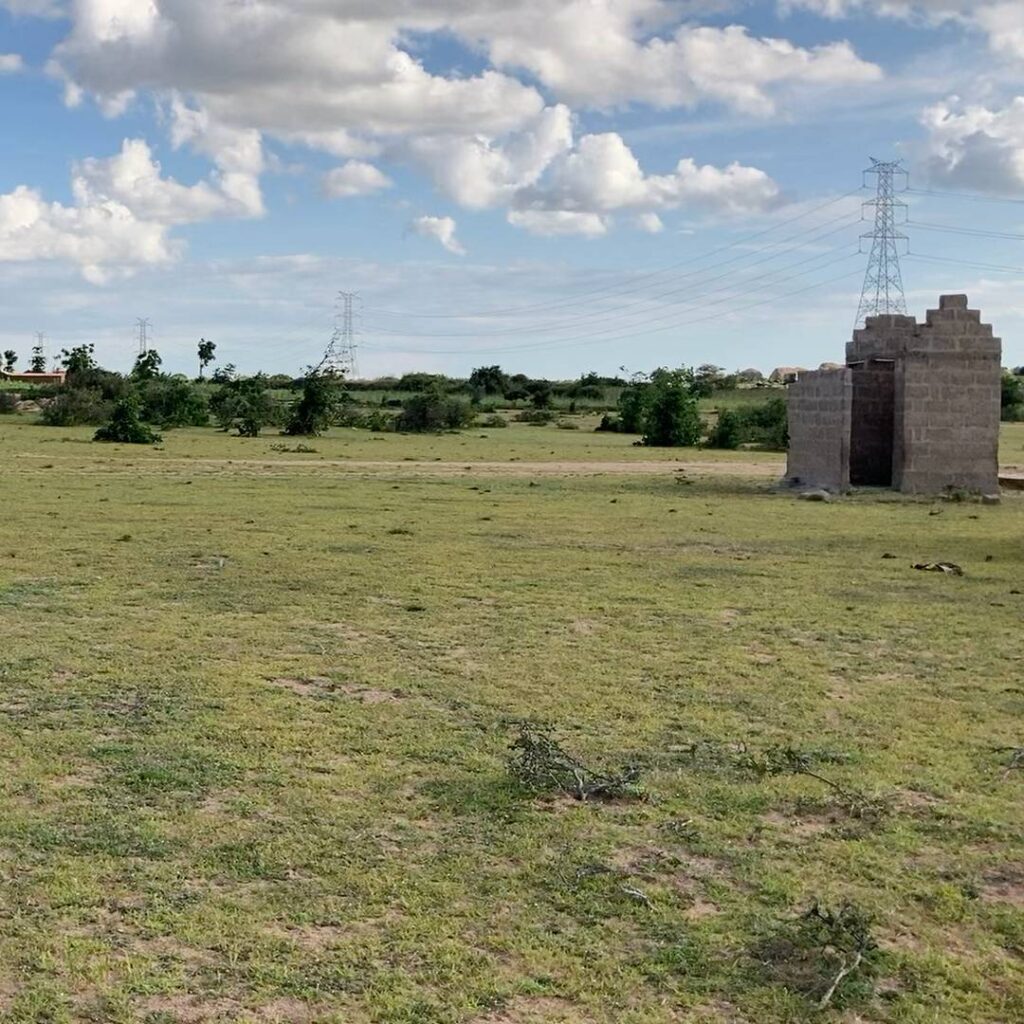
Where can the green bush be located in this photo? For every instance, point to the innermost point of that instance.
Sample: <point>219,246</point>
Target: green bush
<point>671,418</point>
<point>538,417</point>
<point>494,422</point>
<point>765,425</point>
<point>434,411</point>
<point>317,407</point>
<point>173,402</point>
<point>376,421</point>
<point>245,405</point>
<point>125,427</point>
<point>8,402</point>
<point>609,424</point>
<point>74,407</point>
<point>727,432</point>
<point>1011,399</point>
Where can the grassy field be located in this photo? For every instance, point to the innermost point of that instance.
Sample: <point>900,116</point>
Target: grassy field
<point>256,708</point>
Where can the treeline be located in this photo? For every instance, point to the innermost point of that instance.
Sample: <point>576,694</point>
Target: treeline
<point>660,407</point>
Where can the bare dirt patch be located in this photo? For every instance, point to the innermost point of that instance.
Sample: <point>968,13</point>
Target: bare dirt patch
<point>1005,886</point>
<point>191,1009</point>
<point>322,686</point>
<point>535,1010</point>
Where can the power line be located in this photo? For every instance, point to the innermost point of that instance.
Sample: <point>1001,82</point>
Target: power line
<point>597,335</point>
<point>966,263</point>
<point>977,232</point>
<point>962,195</point>
<point>579,298</point>
<point>603,315</point>
<point>883,282</point>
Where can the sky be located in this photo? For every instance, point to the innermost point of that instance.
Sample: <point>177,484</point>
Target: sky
<point>556,186</point>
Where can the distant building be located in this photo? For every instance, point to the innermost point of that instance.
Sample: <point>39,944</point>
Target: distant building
<point>49,377</point>
<point>915,408</point>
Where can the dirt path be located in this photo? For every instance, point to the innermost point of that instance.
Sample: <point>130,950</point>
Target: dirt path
<point>773,468</point>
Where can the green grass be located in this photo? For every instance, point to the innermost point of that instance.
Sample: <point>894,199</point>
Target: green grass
<point>256,709</point>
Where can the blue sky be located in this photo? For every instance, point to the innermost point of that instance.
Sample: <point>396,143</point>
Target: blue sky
<point>554,185</point>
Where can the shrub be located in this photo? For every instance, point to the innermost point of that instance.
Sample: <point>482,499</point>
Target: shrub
<point>765,424</point>
<point>316,409</point>
<point>671,419</point>
<point>8,402</point>
<point>610,424</point>
<point>728,432</point>
<point>538,417</point>
<point>632,406</point>
<point>73,407</point>
<point>494,422</point>
<point>376,421</point>
<point>173,402</point>
<point>490,380</point>
<point>245,405</point>
<point>567,425</point>
<point>434,411</point>
<point>125,427</point>
<point>1011,399</point>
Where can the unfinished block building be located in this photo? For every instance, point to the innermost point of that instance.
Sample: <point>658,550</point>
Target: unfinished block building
<point>916,407</point>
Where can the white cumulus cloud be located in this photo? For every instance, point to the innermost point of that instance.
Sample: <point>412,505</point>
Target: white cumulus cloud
<point>11,63</point>
<point>560,222</point>
<point>976,147</point>
<point>121,217</point>
<point>1001,20</point>
<point>441,229</point>
<point>354,178</point>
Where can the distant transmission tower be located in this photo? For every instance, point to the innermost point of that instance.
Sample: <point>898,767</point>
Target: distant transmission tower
<point>340,356</point>
<point>883,282</point>
<point>39,353</point>
<point>143,325</point>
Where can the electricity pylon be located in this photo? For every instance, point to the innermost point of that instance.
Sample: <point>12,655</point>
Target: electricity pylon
<point>883,282</point>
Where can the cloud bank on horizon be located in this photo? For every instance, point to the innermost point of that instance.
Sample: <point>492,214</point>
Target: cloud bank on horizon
<point>536,113</point>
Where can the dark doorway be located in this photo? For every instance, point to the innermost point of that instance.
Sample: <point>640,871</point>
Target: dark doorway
<point>871,426</point>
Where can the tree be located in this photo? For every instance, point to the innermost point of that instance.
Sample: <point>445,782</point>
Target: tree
<point>78,361</point>
<point>206,355</point>
<point>434,411</point>
<point>728,431</point>
<point>671,418</point>
<point>224,374</point>
<point>492,380</point>
<point>540,393</point>
<point>316,409</point>
<point>125,427</point>
<point>173,401</point>
<point>1011,398</point>
<point>244,404</point>
<point>632,406</point>
<point>147,366</point>
<point>10,360</point>
<point>38,362</point>
<point>706,379</point>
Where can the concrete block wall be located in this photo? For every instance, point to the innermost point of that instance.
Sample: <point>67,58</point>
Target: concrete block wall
<point>947,415</point>
<point>881,337</point>
<point>819,430</point>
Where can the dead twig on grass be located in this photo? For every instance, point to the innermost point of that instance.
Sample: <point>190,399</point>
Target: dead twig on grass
<point>541,764</point>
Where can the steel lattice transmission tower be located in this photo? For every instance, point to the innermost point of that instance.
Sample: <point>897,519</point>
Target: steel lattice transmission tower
<point>340,356</point>
<point>144,326</point>
<point>883,282</point>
